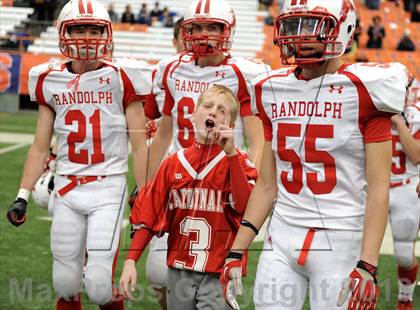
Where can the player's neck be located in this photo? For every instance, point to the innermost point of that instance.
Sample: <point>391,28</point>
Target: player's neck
<point>214,60</point>
<point>327,67</point>
<point>80,67</point>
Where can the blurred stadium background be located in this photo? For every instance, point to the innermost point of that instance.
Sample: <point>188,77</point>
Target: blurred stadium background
<point>28,37</point>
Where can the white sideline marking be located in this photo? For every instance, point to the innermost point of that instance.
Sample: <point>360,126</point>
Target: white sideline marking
<point>12,148</point>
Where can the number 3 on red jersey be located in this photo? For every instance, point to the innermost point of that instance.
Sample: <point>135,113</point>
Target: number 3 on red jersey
<point>312,155</point>
<point>82,157</point>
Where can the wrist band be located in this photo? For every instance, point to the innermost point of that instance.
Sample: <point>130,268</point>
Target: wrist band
<point>368,267</point>
<point>24,194</point>
<point>249,225</point>
<point>234,255</point>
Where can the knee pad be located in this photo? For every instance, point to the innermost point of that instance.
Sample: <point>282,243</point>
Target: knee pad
<point>98,283</point>
<point>404,226</point>
<point>66,281</point>
<point>404,253</point>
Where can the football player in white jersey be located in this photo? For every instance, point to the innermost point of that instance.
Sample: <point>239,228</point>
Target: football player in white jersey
<point>404,204</point>
<point>326,160</point>
<point>207,34</point>
<point>90,104</point>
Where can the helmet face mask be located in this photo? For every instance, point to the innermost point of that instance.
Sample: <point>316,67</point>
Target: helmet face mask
<point>86,13</point>
<point>203,14</point>
<point>314,32</point>
<point>206,44</point>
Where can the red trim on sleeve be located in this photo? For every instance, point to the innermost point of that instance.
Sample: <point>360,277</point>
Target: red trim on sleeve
<point>39,94</point>
<point>151,109</point>
<point>129,92</point>
<point>268,126</point>
<point>169,102</point>
<point>374,125</point>
<point>417,135</point>
<point>243,94</point>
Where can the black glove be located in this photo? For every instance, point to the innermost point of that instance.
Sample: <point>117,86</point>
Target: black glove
<point>17,212</point>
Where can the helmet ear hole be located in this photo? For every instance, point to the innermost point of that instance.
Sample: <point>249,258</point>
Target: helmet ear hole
<point>349,29</point>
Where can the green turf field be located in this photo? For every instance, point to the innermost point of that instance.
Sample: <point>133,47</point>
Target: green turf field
<point>21,123</point>
<point>25,257</point>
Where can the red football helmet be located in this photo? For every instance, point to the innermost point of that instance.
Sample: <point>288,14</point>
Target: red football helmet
<point>205,12</point>
<point>84,12</point>
<point>304,22</point>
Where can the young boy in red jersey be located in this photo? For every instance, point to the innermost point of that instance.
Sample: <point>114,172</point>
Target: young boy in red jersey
<point>198,196</point>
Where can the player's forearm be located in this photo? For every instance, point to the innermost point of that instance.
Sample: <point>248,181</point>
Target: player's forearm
<point>139,242</point>
<point>139,154</point>
<point>255,136</point>
<point>410,145</point>
<point>34,166</point>
<point>240,186</point>
<point>160,145</point>
<point>376,217</point>
<point>259,206</point>
<point>378,168</point>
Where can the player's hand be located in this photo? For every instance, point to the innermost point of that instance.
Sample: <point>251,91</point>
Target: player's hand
<point>17,212</point>
<point>231,281</point>
<point>362,288</point>
<point>224,136</point>
<point>151,128</point>
<point>128,279</point>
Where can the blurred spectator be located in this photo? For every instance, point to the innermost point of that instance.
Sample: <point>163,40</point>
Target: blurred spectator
<point>167,18</point>
<point>376,33</point>
<point>269,20</point>
<point>263,5</point>
<point>155,14</point>
<point>144,18</point>
<point>128,16</point>
<point>406,44</point>
<point>396,2</point>
<point>357,32</point>
<point>415,15</point>
<point>408,5</point>
<point>177,39</point>
<point>112,15</point>
<point>372,4</point>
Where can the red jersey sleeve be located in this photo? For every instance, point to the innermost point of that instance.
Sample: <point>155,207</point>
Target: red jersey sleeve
<point>377,129</point>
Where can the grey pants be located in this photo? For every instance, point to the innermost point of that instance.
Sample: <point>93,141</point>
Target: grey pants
<point>190,290</point>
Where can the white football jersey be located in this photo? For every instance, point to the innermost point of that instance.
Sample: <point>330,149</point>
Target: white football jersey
<point>90,122</point>
<point>183,81</point>
<point>318,130</point>
<point>402,168</point>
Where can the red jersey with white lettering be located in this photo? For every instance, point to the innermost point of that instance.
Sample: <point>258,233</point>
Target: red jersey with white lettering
<point>182,82</point>
<point>402,168</point>
<point>190,198</point>
<point>89,108</point>
<point>318,129</point>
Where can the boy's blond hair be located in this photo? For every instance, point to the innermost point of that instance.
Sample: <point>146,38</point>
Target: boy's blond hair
<point>221,89</point>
